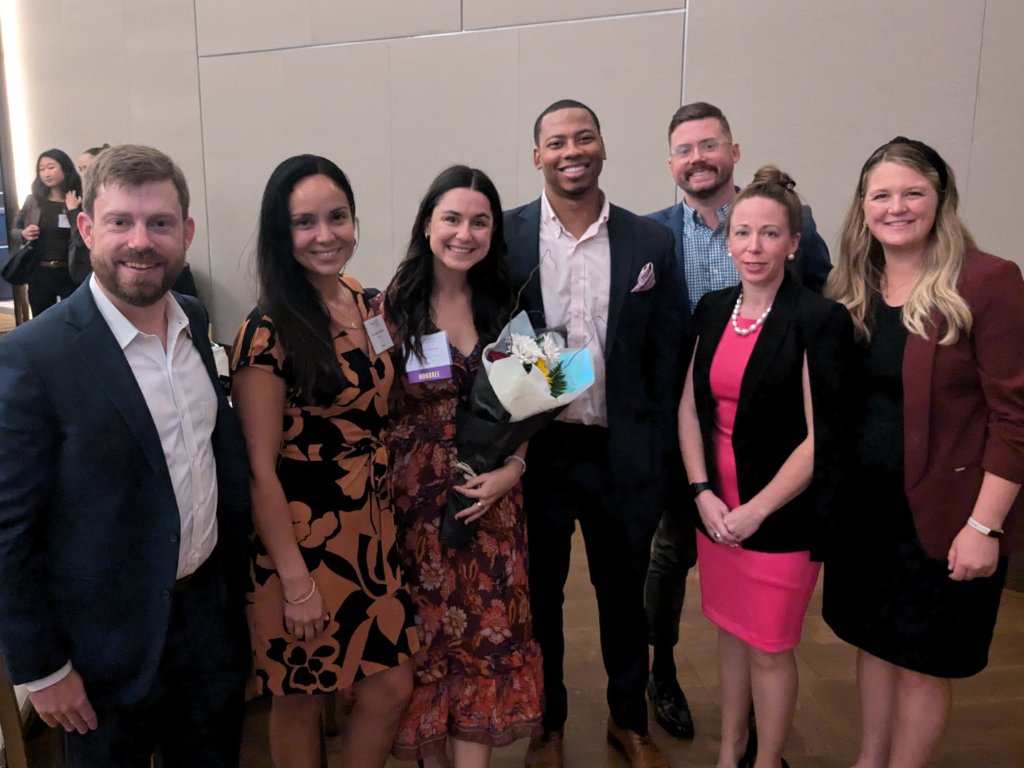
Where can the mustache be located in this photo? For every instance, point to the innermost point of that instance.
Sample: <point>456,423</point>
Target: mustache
<point>698,167</point>
<point>149,254</point>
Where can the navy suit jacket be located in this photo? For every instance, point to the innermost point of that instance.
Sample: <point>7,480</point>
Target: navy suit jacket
<point>89,524</point>
<point>811,263</point>
<point>641,347</point>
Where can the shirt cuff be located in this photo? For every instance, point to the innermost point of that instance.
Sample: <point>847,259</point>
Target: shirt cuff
<point>46,682</point>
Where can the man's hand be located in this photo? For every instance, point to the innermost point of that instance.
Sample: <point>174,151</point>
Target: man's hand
<point>65,703</point>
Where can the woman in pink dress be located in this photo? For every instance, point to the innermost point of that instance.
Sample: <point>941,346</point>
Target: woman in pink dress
<point>762,460</point>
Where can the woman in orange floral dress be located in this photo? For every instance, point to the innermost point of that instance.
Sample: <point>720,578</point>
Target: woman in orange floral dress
<point>478,678</point>
<point>329,610</point>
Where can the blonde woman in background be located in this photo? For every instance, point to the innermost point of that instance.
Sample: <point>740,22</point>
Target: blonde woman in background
<point>935,507</point>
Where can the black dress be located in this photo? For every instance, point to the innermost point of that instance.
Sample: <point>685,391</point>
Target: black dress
<point>882,593</point>
<point>51,282</point>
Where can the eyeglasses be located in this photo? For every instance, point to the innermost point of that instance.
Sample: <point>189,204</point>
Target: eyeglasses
<point>706,147</point>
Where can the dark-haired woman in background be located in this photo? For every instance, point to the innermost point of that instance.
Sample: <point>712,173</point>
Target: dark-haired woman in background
<point>47,218</point>
<point>935,490</point>
<point>478,680</point>
<point>86,158</point>
<point>752,444</point>
<point>329,610</point>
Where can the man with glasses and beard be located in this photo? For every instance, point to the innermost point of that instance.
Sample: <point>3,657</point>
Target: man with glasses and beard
<point>124,495</point>
<point>701,158</point>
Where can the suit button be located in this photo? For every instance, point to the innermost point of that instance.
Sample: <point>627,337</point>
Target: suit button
<point>166,594</point>
<point>174,538</point>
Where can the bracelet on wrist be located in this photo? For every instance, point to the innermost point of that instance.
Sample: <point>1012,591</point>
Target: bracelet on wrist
<point>984,530</point>
<point>699,488</point>
<point>522,461</point>
<point>306,597</point>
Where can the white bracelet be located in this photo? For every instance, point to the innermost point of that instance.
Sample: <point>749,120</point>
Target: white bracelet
<point>520,460</point>
<point>983,529</point>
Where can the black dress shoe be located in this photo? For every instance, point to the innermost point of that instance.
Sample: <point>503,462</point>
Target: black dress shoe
<point>670,708</point>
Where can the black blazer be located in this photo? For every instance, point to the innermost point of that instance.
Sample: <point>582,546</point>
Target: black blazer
<point>89,523</point>
<point>641,348</point>
<point>770,421</point>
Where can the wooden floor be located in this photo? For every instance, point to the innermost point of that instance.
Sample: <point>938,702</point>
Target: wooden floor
<point>986,731</point>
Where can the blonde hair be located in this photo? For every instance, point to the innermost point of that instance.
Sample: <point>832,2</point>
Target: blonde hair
<point>857,278</point>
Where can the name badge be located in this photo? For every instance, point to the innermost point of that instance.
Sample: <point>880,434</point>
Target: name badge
<point>62,221</point>
<point>436,362</point>
<point>377,329</point>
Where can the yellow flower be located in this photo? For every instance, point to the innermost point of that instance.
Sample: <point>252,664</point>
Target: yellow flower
<point>544,369</point>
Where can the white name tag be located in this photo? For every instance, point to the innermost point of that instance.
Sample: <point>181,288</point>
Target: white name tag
<point>379,336</point>
<point>62,221</point>
<point>436,363</point>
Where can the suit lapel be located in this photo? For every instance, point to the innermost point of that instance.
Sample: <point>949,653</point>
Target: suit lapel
<point>769,338</point>
<point>525,244</point>
<point>104,359</point>
<point>621,242</point>
<point>918,362</point>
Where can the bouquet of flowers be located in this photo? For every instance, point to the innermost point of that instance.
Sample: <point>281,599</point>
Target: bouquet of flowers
<point>524,382</point>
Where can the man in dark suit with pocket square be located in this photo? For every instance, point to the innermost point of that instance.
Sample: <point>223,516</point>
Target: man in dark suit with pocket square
<point>607,276</point>
<point>124,495</point>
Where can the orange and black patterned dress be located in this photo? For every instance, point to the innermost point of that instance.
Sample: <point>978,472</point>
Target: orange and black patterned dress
<point>478,675</point>
<point>333,469</point>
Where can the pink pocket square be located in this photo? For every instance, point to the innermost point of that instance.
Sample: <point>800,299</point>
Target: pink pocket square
<point>646,279</point>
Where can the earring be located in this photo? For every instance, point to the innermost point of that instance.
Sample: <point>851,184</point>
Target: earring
<point>729,254</point>
<point>791,257</point>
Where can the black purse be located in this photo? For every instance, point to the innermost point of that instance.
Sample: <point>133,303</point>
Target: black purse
<point>22,264</point>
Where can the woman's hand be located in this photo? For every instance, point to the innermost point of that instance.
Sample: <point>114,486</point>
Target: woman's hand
<point>306,620</point>
<point>30,233</point>
<point>973,555</point>
<point>743,522</point>
<point>72,200</point>
<point>712,512</point>
<point>487,489</point>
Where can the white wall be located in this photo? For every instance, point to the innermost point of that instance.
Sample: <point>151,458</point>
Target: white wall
<point>394,90</point>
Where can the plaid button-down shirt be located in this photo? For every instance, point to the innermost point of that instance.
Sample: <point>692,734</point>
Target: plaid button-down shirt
<point>706,261</point>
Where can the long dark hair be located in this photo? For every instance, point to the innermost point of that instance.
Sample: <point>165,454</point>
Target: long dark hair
<point>72,181</point>
<point>300,316</point>
<point>407,303</point>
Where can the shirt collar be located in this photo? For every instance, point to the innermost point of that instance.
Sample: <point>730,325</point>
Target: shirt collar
<point>123,329</point>
<point>548,215</point>
<point>693,217</point>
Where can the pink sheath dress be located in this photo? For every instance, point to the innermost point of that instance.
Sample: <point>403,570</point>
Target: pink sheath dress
<point>760,597</point>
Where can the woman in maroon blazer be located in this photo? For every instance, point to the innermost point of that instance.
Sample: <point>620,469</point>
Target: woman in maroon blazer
<point>920,559</point>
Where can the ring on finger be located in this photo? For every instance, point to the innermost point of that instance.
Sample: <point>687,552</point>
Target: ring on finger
<point>480,504</point>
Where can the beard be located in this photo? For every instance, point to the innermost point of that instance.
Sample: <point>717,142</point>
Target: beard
<point>139,291</point>
<point>708,192</point>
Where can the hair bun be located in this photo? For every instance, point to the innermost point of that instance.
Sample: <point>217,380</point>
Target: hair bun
<point>771,176</point>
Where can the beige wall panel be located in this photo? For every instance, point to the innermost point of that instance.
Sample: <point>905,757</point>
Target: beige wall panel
<point>126,72</point>
<point>633,93</point>
<point>481,14</point>
<point>259,109</point>
<point>815,87</point>
<point>336,22</point>
<point>997,160</point>
<point>452,101</point>
<point>230,26</point>
<point>236,26</point>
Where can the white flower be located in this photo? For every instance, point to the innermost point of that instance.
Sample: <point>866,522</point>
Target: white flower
<point>549,348</point>
<point>525,349</point>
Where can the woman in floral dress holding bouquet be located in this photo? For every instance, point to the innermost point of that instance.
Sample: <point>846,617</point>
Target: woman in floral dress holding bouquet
<point>478,676</point>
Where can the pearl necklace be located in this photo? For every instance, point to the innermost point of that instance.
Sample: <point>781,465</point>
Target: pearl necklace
<point>757,324</point>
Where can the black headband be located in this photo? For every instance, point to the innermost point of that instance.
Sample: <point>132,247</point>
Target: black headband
<point>933,158</point>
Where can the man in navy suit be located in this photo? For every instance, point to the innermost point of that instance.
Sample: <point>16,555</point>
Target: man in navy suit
<point>702,155</point>
<point>607,275</point>
<point>124,495</point>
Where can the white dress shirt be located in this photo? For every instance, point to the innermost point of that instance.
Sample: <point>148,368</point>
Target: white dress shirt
<point>183,403</point>
<point>575,283</point>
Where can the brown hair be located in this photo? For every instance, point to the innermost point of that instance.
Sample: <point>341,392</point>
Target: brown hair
<point>857,277</point>
<point>132,165</point>
<point>698,110</point>
<point>772,184</point>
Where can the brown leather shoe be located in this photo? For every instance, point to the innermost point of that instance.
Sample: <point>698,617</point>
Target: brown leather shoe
<point>546,751</point>
<point>638,748</point>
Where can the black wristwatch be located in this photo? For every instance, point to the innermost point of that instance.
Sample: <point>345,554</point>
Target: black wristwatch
<point>699,488</point>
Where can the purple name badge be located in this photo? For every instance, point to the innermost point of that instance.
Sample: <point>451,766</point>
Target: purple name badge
<point>435,364</point>
<point>430,374</point>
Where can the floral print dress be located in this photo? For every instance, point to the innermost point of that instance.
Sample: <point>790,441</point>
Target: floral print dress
<point>333,468</point>
<point>478,676</point>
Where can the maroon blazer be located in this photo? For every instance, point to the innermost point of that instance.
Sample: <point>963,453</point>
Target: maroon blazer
<point>963,408</point>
